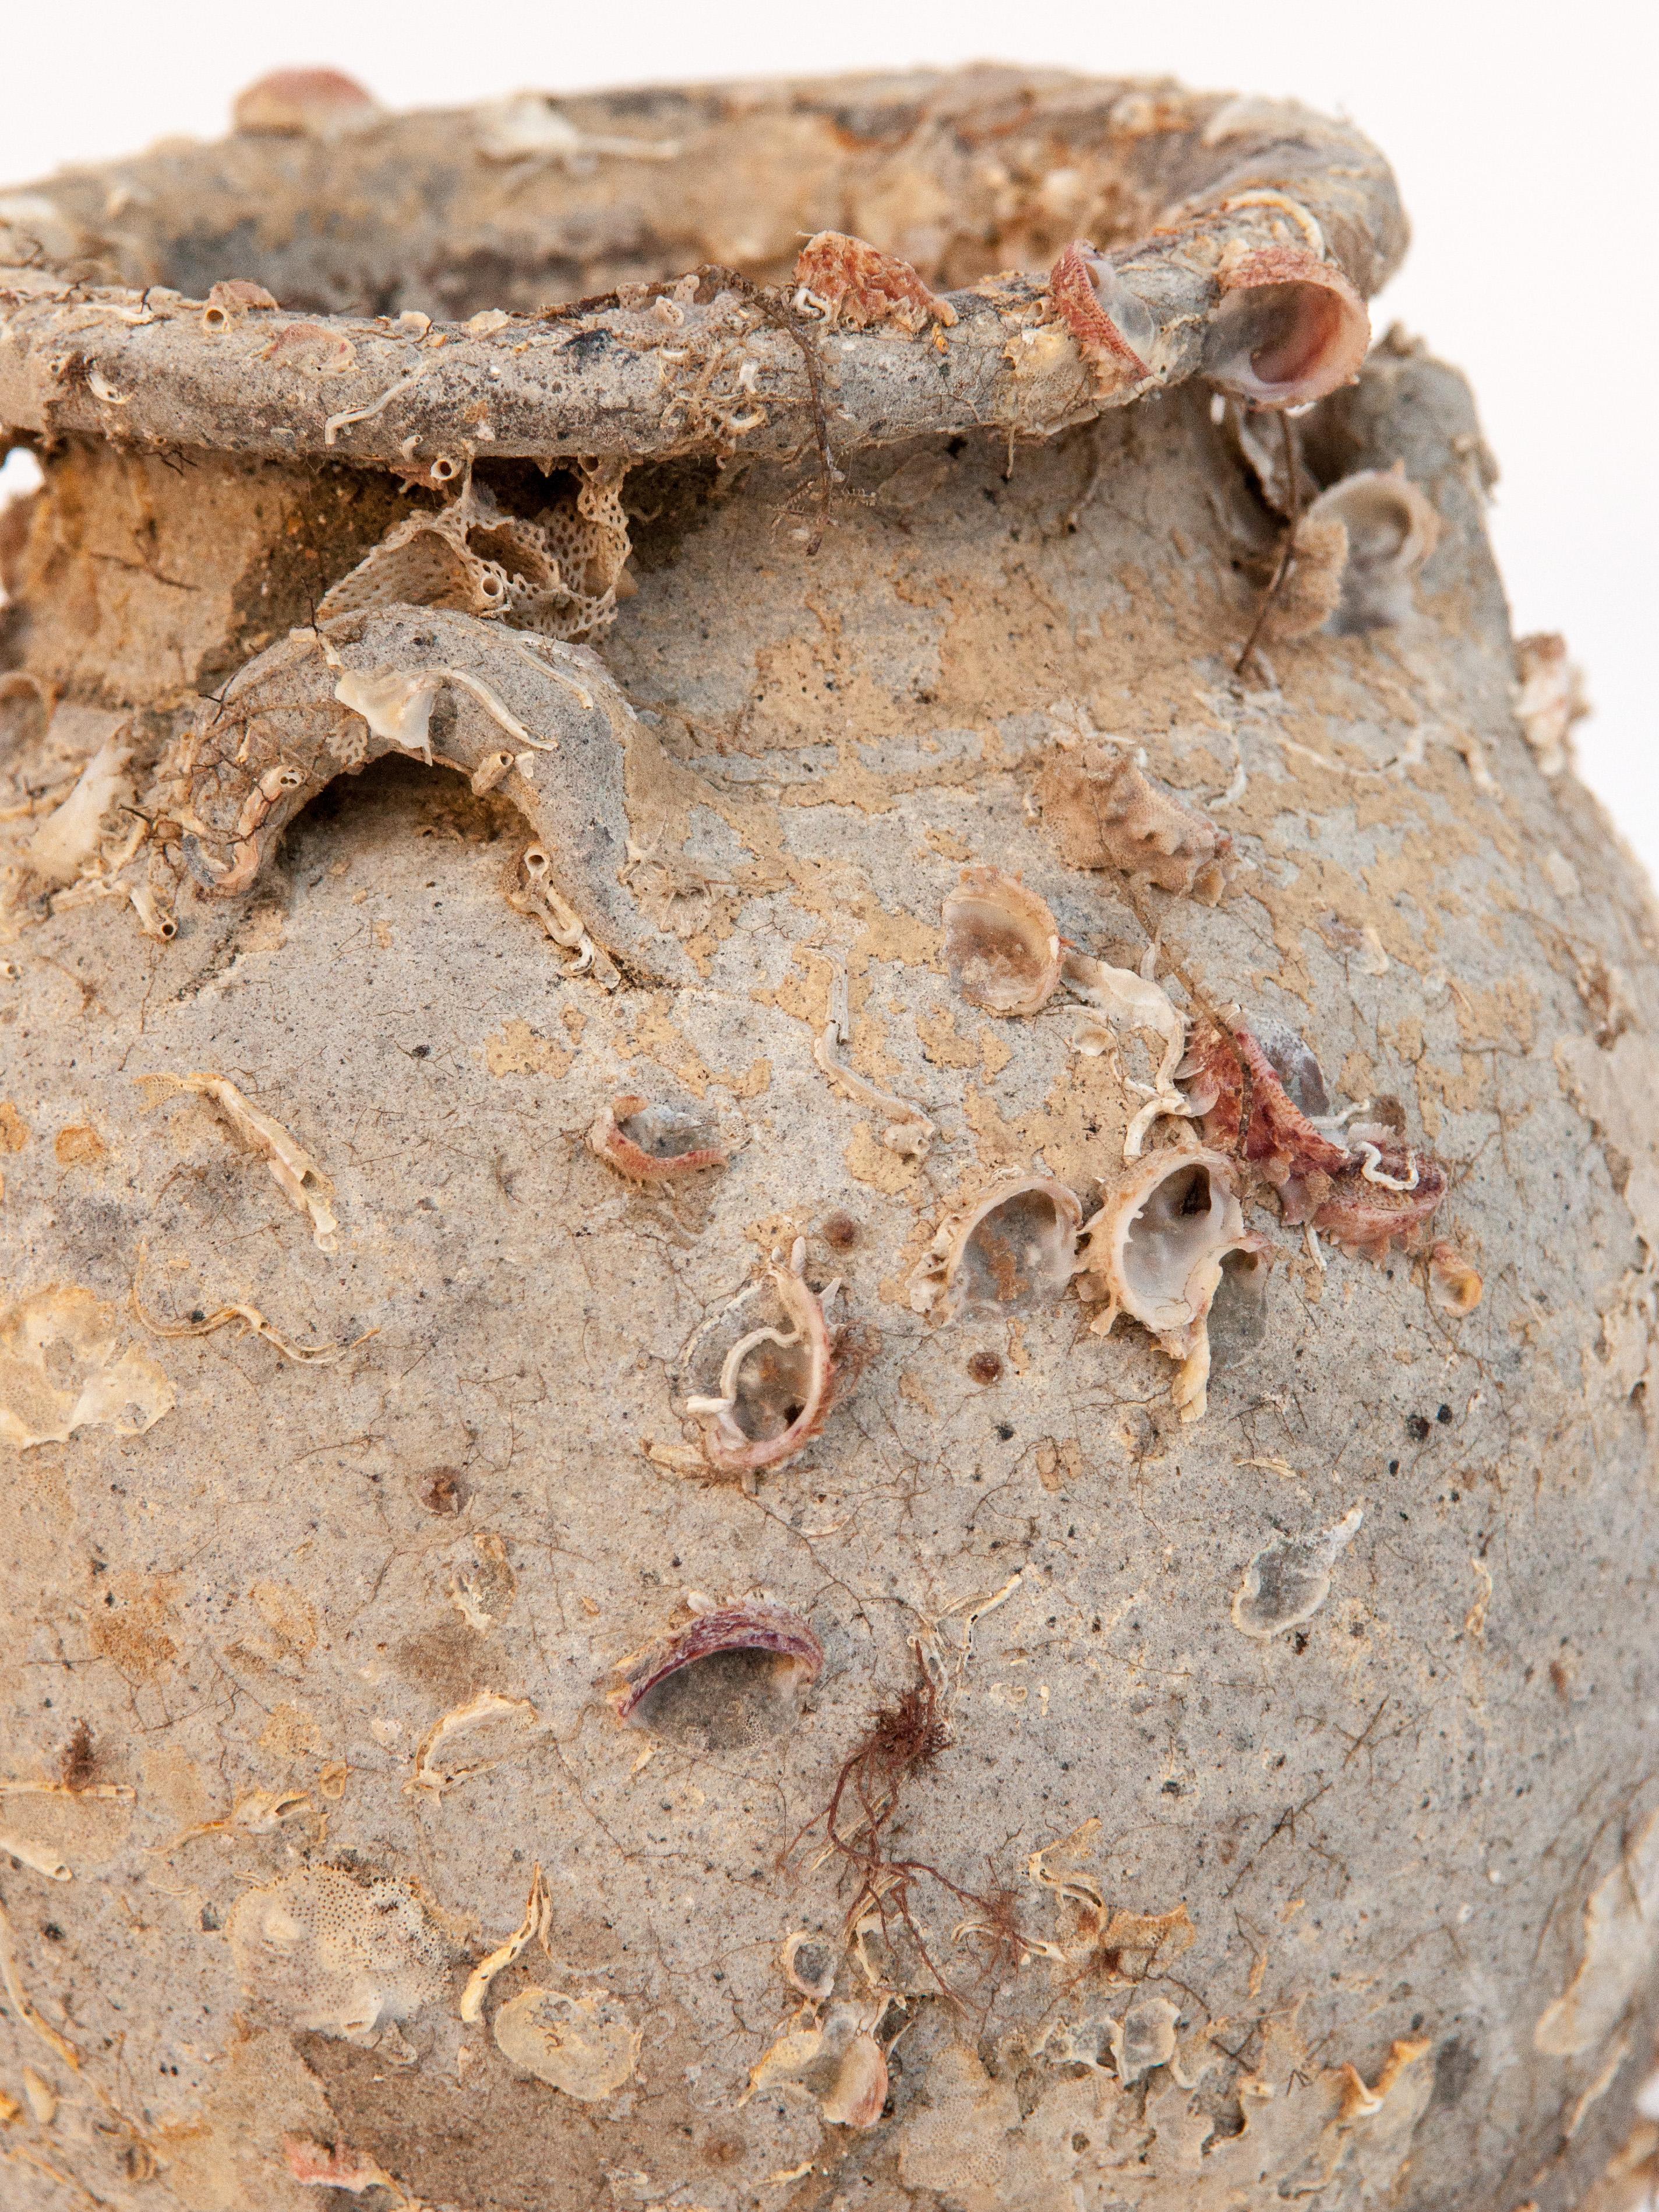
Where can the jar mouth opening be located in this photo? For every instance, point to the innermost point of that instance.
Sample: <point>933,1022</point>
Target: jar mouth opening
<point>617,272</point>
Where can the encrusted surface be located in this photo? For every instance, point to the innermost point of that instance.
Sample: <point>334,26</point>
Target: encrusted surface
<point>1235,1809</point>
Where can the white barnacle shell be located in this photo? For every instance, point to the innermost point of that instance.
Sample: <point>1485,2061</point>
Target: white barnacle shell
<point>1289,327</point>
<point>1001,943</point>
<point>1393,527</point>
<point>1154,1251</point>
<point>1014,1247</point>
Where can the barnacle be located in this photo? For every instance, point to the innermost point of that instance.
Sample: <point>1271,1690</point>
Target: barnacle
<point>1454,1286</point>
<point>335,1955</point>
<point>1550,698</point>
<point>1104,813</point>
<point>648,1143</point>
<point>852,281</point>
<point>64,1366</point>
<point>809,1964</point>
<point>1001,943</point>
<point>320,704</point>
<point>1144,2038</point>
<point>1290,327</point>
<point>777,1385</point>
<point>1013,1247</point>
<point>232,298</point>
<point>1391,529</point>
<point>1113,327</point>
<point>473,1739</point>
<point>1154,1251</point>
<point>839,2063</point>
<point>303,103</point>
<point>1364,1193</point>
<point>722,1646</point>
<point>585,2046</point>
<point>1288,1579</point>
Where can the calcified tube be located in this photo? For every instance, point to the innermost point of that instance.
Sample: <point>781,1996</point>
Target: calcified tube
<point>777,1385</point>
<point>647,1143</point>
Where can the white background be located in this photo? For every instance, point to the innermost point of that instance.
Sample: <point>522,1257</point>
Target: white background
<point>1523,137</point>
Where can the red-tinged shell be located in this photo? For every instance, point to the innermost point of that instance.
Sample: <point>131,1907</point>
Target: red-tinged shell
<point>1246,1110</point>
<point>1075,296</point>
<point>1366,1218</point>
<point>1250,1113</point>
<point>302,103</point>
<point>629,1133</point>
<point>771,1628</point>
<point>1289,328</point>
<point>862,286</point>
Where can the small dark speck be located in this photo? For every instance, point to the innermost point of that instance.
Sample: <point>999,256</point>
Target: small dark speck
<point>1417,1427</point>
<point>1172,1790</point>
<point>1005,1429</point>
<point>1394,1467</point>
<point>1300,1640</point>
<point>210,1919</point>
<point>1445,1415</point>
<point>420,1052</point>
<point>53,1932</point>
<point>198,1313</point>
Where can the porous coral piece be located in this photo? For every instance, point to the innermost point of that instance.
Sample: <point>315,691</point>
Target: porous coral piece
<point>1113,325</point>
<point>1104,813</point>
<point>1001,943</point>
<point>1290,327</point>
<point>559,572</point>
<point>586,2046</point>
<point>1154,1251</point>
<point>337,1954</point>
<point>777,1385</point>
<point>1391,528</point>
<point>1013,1247</point>
<point>647,1143</point>
<point>302,103</point>
<point>1365,1193</point>
<point>855,283</point>
<point>754,1625</point>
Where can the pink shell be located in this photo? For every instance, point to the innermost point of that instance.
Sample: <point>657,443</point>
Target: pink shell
<point>299,101</point>
<point>610,1141</point>
<point>1289,328</point>
<point>726,1628</point>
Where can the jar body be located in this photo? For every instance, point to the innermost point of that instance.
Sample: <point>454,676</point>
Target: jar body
<point>1366,1842</point>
